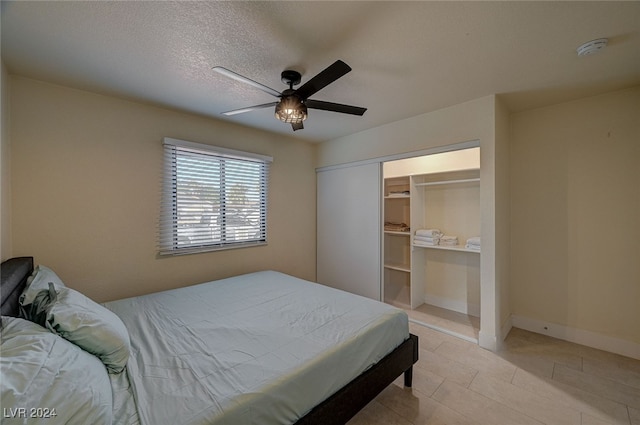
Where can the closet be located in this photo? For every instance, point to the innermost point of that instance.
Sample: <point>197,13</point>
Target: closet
<point>348,223</point>
<point>431,209</point>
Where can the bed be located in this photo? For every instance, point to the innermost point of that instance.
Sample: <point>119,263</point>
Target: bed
<point>259,348</point>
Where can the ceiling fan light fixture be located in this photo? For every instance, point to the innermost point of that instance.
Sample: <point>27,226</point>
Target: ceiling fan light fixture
<point>291,110</point>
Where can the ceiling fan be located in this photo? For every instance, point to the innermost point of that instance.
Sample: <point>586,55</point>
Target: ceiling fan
<point>293,103</point>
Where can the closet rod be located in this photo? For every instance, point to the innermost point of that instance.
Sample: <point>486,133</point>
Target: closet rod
<point>448,182</point>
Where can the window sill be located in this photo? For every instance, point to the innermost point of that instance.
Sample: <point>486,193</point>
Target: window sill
<point>210,248</point>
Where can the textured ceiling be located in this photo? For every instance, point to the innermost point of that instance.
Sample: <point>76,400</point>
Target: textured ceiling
<point>408,58</point>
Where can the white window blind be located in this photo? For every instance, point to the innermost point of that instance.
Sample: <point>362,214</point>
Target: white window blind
<point>213,198</point>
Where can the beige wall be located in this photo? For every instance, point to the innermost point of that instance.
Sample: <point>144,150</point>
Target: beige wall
<point>575,247</point>
<point>86,175</point>
<point>5,167</point>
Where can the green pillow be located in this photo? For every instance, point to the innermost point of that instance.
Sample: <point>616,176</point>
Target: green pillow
<point>80,320</point>
<point>39,280</point>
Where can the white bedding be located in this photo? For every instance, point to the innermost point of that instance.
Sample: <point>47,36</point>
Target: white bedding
<point>46,379</point>
<point>124,408</point>
<point>262,348</point>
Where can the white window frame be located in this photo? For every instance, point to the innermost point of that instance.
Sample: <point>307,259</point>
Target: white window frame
<point>215,169</point>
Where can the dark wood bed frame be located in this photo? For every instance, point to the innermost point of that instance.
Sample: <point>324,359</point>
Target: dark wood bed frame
<point>335,410</point>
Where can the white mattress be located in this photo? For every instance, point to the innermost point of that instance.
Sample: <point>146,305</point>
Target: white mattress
<point>262,348</point>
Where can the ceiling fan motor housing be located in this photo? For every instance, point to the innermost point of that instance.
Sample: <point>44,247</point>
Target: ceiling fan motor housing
<point>291,77</point>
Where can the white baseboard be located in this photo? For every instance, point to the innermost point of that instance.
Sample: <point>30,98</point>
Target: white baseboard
<point>495,342</point>
<point>488,341</point>
<point>579,336</point>
<point>505,328</point>
<point>455,305</point>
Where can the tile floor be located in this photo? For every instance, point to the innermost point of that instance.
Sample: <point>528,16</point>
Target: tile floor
<point>535,379</point>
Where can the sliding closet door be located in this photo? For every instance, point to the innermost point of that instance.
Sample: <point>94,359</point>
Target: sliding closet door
<point>349,227</point>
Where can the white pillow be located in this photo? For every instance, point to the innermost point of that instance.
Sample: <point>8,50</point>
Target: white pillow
<point>39,280</point>
<point>76,318</point>
<point>52,379</point>
<point>92,327</point>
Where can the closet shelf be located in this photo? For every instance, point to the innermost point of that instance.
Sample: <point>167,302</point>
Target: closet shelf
<point>397,233</point>
<point>448,248</point>
<point>441,182</point>
<point>399,267</point>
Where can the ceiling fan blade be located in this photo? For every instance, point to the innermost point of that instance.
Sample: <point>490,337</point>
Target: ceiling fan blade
<point>242,79</point>
<point>297,126</point>
<point>250,108</point>
<point>334,107</point>
<point>323,79</point>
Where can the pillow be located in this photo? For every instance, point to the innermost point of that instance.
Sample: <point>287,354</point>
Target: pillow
<point>80,320</point>
<point>40,306</point>
<point>46,379</point>
<point>39,280</point>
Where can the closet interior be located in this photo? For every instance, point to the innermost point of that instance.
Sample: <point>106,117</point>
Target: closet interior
<point>431,244</point>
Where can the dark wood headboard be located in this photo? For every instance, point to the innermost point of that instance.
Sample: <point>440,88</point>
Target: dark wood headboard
<point>15,272</point>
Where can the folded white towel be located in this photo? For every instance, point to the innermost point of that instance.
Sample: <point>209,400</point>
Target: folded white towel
<point>425,243</point>
<point>473,247</point>
<point>426,237</point>
<point>399,194</point>
<point>449,240</point>
<point>474,241</point>
<point>429,232</point>
<point>430,242</point>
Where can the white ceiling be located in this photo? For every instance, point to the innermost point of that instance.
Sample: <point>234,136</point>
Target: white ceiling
<point>408,58</point>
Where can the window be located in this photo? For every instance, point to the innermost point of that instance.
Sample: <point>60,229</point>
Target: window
<point>213,198</point>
